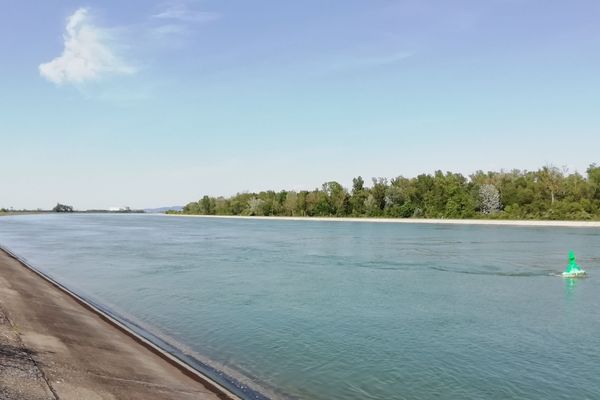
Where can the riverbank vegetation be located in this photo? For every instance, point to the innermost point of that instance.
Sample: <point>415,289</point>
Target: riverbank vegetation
<point>62,208</point>
<point>548,193</point>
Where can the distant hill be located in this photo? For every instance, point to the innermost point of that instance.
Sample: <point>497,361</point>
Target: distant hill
<point>163,209</point>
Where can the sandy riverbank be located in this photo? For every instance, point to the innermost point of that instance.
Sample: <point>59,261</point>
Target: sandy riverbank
<point>54,347</point>
<point>566,224</point>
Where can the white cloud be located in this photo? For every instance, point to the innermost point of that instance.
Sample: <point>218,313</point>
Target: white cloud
<point>88,54</point>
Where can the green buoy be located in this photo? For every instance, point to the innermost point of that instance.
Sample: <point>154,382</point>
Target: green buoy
<point>573,270</point>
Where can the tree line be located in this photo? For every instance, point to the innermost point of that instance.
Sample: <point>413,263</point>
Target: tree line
<point>548,193</point>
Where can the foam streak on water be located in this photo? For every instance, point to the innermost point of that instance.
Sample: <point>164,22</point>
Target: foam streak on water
<point>324,310</point>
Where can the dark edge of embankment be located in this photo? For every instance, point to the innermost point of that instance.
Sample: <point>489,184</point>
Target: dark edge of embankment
<point>225,387</point>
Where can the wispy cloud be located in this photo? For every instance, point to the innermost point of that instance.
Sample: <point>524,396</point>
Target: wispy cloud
<point>383,60</point>
<point>170,29</point>
<point>374,61</point>
<point>181,12</point>
<point>359,63</point>
<point>178,18</point>
<point>88,54</point>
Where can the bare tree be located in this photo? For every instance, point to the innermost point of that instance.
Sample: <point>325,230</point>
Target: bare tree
<point>489,198</point>
<point>255,206</point>
<point>551,177</point>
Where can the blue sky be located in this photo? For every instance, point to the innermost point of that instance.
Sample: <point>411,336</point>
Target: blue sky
<point>141,103</point>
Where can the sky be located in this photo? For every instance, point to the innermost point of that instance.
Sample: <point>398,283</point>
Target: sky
<point>146,103</point>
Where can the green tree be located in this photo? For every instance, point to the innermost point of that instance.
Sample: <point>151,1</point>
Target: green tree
<point>290,205</point>
<point>191,208</point>
<point>338,198</point>
<point>302,203</point>
<point>207,205</point>
<point>358,197</point>
<point>593,173</point>
<point>378,193</point>
<point>317,204</point>
<point>222,206</point>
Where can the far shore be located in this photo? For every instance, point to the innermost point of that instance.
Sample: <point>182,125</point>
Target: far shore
<point>502,222</point>
<point>497,222</point>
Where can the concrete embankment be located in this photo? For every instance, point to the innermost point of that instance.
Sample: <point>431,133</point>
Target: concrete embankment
<point>54,346</point>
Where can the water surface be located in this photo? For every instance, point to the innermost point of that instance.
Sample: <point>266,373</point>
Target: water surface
<point>323,310</point>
